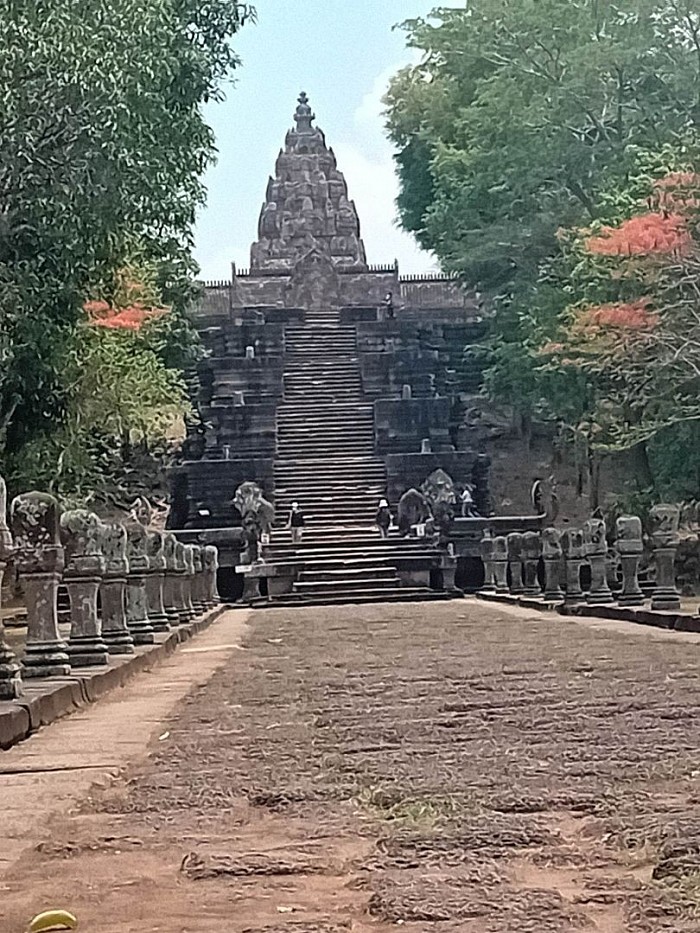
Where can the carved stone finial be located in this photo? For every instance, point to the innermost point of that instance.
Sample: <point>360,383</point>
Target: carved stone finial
<point>304,115</point>
<point>113,591</point>
<point>136,597</point>
<point>155,581</point>
<point>629,545</point>
<point>81,534</point>
<point>34,519</point>
<point>211,566</point>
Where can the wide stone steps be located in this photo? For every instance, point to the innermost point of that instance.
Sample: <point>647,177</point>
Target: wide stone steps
<point>350,574</point>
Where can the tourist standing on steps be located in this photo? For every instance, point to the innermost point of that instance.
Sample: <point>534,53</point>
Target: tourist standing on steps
<point>383,519</point>
<point>296,523</point>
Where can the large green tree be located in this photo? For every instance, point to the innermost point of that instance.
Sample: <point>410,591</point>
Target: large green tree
<point>103,145</point>
<point>521,112</point>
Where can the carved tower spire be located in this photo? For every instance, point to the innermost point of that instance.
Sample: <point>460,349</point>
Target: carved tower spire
<point>307,208</point>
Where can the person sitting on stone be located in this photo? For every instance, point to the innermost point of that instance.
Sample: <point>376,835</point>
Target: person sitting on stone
<point>468,507</point>
<point>296,523</point>
<point>383,519</point>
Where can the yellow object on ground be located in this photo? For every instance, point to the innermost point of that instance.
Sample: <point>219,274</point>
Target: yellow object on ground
<point>53,920</point>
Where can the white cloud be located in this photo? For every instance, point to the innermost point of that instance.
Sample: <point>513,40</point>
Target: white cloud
<point>368,164</point>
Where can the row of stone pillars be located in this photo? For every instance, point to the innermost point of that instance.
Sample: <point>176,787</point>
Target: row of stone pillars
<point>144,581</point>
<point>512,562</point>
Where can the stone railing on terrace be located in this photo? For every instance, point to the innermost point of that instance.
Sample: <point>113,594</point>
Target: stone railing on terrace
<point>127,584</point>
<point>580,570</point>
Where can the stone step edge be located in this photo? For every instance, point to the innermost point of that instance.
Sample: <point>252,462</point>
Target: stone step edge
<point>46,700</point>
<point>301,601</point>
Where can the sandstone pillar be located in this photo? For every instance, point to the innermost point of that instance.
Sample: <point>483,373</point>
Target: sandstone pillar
<point>211,567</point>
<point>155,581</point>
<point>10,679</point>
<point>171,586</point>
<point>630,547</point>
<point>500,563</point>
<point>487,549</point>
<point>181,583</point>
<point>198,583</point>
<point>664,521</point>
<point>115,631</point>
<point>552,556</point>
<point>573,548</point>
<point>596,545</point>
<point>136,597</point>
<point>188,582</point>
<point>34,518</point>
<point>532,552</point>
<point>81,539</point>
<point>515,563</point>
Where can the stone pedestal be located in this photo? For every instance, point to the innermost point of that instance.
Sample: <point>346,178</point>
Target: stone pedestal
<point>115,631</point>
<point>629,545</point>
<point>211,567</point>
<point>664,521</point>
<point>552,557</point>
<point>594,533</point>
<point>137,620</point>
<point>188,582</point>
<point>486,549</point>
<point>171,584</point>
<point>532,552</point>
<point>10,679</point>
<point>81,538</point>
<point>500,563</point>
<point>515,563</point>
<point>184,614</point>
<point>34,518</point>
<point>199,595</point>
<point>573,548</point>
<point>155,582</point>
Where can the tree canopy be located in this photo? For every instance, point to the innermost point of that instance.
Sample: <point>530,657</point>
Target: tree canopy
<point>546,151</point>
<point>104,146</point>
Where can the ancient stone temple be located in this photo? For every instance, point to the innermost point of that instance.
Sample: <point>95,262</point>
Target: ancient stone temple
<point>331,383</point>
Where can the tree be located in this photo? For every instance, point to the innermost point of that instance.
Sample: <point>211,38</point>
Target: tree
<point>121,402</point>
<point>104,145</point>
<point>522,111</point>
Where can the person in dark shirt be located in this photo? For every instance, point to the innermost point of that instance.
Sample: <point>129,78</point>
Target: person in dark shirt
<point>383,518</point>
<point>296,523</point>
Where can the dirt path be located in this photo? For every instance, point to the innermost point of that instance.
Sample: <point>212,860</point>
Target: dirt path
<point>440,767</point>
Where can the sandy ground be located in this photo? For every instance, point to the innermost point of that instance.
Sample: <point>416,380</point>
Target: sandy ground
<point>442,767</point>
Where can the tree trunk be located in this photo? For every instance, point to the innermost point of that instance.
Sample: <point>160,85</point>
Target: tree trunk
<point>641,466</point>
<point>593,479</point>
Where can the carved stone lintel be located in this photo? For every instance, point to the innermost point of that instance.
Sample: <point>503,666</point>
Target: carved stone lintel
<point>34,518</point>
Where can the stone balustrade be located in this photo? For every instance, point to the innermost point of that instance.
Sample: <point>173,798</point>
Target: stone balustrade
<point>553,564</point>
<point>126,585</point>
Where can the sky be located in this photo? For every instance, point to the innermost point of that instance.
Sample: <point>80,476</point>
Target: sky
<point>342,53</point>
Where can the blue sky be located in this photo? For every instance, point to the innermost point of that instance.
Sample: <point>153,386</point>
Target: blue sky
<point>342,53</point>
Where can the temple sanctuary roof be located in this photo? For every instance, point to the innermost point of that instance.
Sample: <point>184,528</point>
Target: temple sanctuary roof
<point>307,207</point>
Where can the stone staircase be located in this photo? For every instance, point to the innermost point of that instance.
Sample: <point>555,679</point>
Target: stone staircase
<point>325,461</point>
